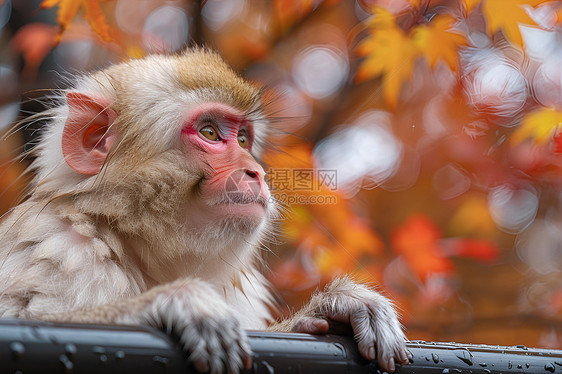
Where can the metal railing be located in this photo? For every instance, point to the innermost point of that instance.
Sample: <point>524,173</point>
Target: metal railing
<point>41,347</point>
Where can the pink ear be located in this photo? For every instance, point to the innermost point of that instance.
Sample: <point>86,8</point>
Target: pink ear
<point>88,135</point>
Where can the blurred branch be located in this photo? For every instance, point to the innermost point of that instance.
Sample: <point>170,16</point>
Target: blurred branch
<point>197,28</point>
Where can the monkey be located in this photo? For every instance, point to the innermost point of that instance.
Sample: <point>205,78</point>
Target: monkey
<point>147,207</point>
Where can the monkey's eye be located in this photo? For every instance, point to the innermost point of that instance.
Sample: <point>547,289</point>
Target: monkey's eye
<point>243,139</point>
<point>210,133</point>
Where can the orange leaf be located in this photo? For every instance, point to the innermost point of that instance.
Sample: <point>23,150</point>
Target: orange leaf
<point>506,15</point>
<point>470,4</point>
<point>96,19</point>
<point>389,52</point>
<point>68,10</point>
<point>540,125</point>
<point>416,240</point>
<point>34,41</point>
<point>437,41</point>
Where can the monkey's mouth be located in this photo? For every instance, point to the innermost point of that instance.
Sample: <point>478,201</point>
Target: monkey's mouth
<point>245,199</point>
<point>241,206</point>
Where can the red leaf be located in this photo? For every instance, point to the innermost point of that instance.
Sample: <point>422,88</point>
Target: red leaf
<point>479,249</point>
<point>417,240</point>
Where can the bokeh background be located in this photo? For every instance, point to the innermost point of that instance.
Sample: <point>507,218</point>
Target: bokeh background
<point>440,120</point>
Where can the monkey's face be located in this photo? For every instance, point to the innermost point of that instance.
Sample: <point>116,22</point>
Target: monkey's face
<point>166,148</point>
<point>219,139</point>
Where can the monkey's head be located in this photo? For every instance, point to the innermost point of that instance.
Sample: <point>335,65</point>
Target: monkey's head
<point>165,149</point>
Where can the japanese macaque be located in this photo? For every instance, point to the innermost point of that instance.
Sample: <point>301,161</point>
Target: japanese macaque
<point>147,207</point>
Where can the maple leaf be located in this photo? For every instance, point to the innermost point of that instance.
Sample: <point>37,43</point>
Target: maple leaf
<point>479,249</point>
<point>331,233</point>
<point>506,15</point>
<point>472,217</point>
<point>469,5</point>
<point>540,125</point>
<point>436,41</point>
<point>417,241</point>
<point>67,10</point>
<point>34,41</point>
<point>389,52</point>
<point>558,143</point>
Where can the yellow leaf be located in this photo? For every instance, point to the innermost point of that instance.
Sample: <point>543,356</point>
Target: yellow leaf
<point>472,219</point>
<point>469,5</point>
<point>437,42</point>
<point>68,10</point>
<point>415,3</point>
<point>135,51</point>
<point>506,15</point>
<point>389,52</point>
<point>540,125</point>
<point>96,19</point>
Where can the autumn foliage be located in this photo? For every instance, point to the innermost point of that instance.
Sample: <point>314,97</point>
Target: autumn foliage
<point>416,143</point>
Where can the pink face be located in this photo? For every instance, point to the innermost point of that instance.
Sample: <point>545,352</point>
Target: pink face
<point>219,139</point>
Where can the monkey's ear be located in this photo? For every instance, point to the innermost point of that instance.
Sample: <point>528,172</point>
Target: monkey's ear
<point>88,135</point>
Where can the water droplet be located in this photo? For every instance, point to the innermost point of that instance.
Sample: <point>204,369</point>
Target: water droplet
<point>160,360</point>
<point>67,365</point>
<point>487,371</point>
<point>70,349</point>
<point>519,366</point>
<point>99,350</point>
<point>464,355</point>
<point>527,365</point>
<point>435,357</point>
<point>549,367</point>
<point>18,349</point>
<point>103,359</point>
<point>522,347</point>
<point>426,358</point>
<point>483,364</point>
<point>119,355</point>
<point>509,365</point>
<point>270,369</point>
<point>445,371</point>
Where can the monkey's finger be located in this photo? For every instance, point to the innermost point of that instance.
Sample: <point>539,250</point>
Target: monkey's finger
<point>405,356</point>
<point>363,327</point>
<point>311,325</point>
<point>387,365</point>
<point>247,361</point>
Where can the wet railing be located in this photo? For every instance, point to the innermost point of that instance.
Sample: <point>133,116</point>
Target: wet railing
<point>40,347</point>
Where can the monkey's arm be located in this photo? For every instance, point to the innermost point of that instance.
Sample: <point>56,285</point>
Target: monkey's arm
<point>191,309</point>
<point>371,316</point>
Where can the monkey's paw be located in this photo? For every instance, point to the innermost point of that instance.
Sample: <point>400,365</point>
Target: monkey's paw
<point>207,327</point>
<point>372,317</point>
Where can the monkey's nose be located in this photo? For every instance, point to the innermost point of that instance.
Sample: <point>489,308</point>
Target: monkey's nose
<point>252,173</point>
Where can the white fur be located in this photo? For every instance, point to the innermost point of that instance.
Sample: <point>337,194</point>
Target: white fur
<point>117,247</point>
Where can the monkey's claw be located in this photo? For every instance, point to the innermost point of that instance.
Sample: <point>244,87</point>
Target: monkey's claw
<point>372,317</point>
<point>208,329</point>
<point>216,345</point>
